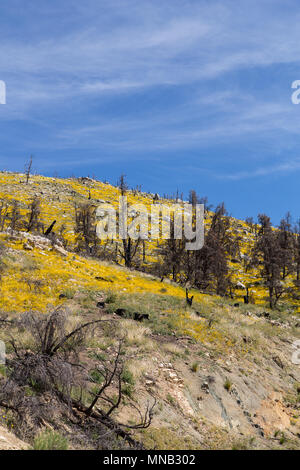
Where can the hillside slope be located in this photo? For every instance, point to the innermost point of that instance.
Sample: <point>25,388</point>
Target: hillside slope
<point>222,375</point>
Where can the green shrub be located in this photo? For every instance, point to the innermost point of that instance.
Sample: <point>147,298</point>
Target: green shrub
<point>128,382</point>
<point>128,390</point>
<point>2,370</point>
<point>228,385</point>
<point>111,298</point>
<point>127,377</point>
<point>282,439</point>
<point>96,377</point>
<point>171,400</point>
<point>68,293</point>
<point>98,356</point>
<point>50,440</point>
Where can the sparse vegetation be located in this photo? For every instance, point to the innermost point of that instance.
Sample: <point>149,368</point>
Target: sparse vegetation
<point>228,385</point>
<point>169,330</point>
<point>50,440</point>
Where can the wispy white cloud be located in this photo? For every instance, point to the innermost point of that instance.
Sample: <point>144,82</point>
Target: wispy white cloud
<point>277,169</point>
<point>234,117</point>
<point>102,49</point>
<point>191,41</point>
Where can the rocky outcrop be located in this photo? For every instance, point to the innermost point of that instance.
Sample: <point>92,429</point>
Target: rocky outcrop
<point>37,241</point>
<point>9,441</point>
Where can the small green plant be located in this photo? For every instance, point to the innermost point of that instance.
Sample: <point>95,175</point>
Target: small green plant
<point>127,377</point>
<point>128,382</point>
<point>128,390</point>
<point>96,376</point>
<point>50,440</point>
<point>28,265</point>
<point>228,385</point>
<point>239,445</point>
<point>111,297</point>
<point>86,302</point>
<point>282,439</point>
<point>195,366</point>
<point>279,434</point>
<point>2,370</point>
<point>98,356</point>
<point>7,419</point>
<point>35,386</point>
<point>171,400</point>
<point>68,293</point>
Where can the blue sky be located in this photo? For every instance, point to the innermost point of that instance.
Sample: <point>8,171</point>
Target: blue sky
<point>176,94</point>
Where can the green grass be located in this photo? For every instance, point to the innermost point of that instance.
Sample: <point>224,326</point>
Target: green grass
<point>127,377</point>
<point>228,385</point>
<point>128,390</point>
<point>96,377</point>
<point>50,440</point>
<point>68,293</point>
<point>171,400</point>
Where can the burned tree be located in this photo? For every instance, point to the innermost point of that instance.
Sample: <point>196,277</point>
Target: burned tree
<point>33,216</point>
<point>50,228</point>
<point>4,209</point>
<point>129,245</point>
<point>211,265</point>
<point>267,257</point>
<point>297,250</point>
<point>173,256</point>
<point>129,251</point>
<point>2,262</point>
<point>15,217</point>
<point>50,379</point>
<point>28,168</point>
<point>189,300</point>
<point>85,228</point>
<point>286,246</point>
<point>122,184</point>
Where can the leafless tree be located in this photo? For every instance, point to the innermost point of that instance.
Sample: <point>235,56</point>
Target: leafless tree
<point>122,184</point>
<point>2,262</point>
<point>15,218</point>
<point>211,263</point>
<point>267,256</point>
<point>28,168</point>
<point>189,300</point>
<point>4,209</point>
<point>34,216</point>
<point>297,249</point>
<point>129,247</point>
<point>52,368</point>
<point>129,250</point>
<point>85,228</point>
